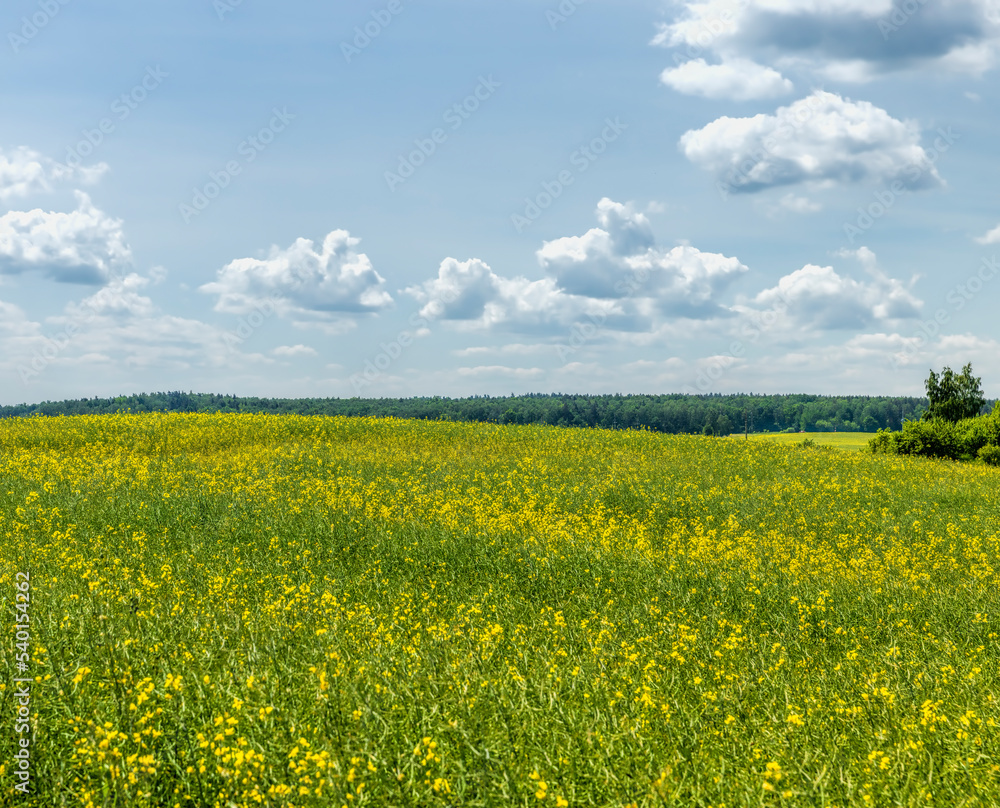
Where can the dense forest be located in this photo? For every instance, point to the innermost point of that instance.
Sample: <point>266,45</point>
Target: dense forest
<point>709,414</point>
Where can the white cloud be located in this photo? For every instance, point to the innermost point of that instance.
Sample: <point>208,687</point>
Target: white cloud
<point>975,59</point>
<point>302,282</point>
<point>83,246</point>
<point>799,204</point>
<point>292,351</point>
<point>736,79</point>
<point>24,172</point>
<point>14,321</point>
<point>893,362</point>
<point>620,260</point>
<point>819,298</point>
<point>501,370</point>
<point>844,40</point>
<point>471,293</point>
<point>823,138</point>
<point>614,274</point>
<point>510,349</point>
<point>120,298</point>
<point>117,331</point>
<point>992,237</point>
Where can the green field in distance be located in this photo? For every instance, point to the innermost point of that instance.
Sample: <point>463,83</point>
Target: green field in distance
<point>852,441</point>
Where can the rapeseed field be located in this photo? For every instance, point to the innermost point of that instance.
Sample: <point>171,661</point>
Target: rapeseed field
<point>232,610</point>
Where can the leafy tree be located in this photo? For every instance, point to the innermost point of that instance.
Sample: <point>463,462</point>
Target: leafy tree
<point>954,397</point>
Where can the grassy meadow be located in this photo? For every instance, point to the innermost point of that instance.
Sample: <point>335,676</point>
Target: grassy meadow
<point>235,610</point>
<point>852,441</point>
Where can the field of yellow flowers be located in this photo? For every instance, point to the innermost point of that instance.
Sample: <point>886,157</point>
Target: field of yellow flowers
<point>233,610</point>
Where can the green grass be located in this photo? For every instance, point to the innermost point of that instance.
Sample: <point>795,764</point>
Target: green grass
<point>852,441</point>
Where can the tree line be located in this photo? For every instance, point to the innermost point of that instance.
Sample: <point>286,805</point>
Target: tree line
<point>713,414</point>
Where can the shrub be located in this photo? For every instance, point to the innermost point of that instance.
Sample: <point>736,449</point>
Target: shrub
<point>935,438</point>
<point>883,442</point>
<point>990,455</point>
<point>956,440</point>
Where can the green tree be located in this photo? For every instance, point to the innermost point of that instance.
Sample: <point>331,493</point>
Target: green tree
<point>954,397</point>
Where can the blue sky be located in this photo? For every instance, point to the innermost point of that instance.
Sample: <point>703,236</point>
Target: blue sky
<point>454,198</point>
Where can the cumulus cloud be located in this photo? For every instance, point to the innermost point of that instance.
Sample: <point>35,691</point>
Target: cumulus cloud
<point>823,138</point>
<point>737,79</point>
<point>620,259</point>
<point>471,293</point>
<point>594,264</point>
<point>303,282</point>
<point>614,274</point>
<point>24,172</point>
<point>820,298</point>
<point>83,246</point>
<point>847,40</point>
<point>120,298</point>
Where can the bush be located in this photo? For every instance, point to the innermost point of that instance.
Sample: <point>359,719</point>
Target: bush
<point>935,438</point>
<point>955,440</point>
<point>883,442</point>
<point>990,455</point>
